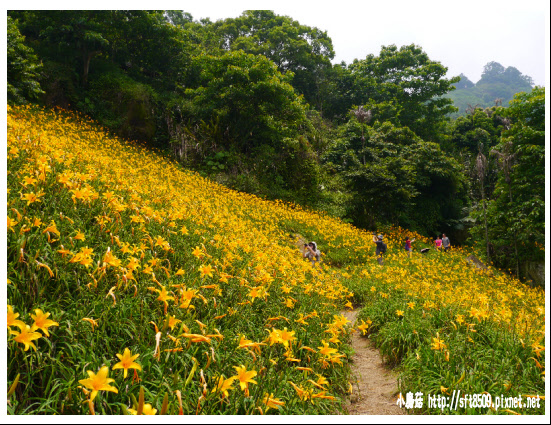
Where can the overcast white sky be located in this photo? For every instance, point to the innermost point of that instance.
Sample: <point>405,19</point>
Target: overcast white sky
<point>463,35</point>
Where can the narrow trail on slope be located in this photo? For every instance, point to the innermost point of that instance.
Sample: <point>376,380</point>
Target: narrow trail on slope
<point>374,385</point>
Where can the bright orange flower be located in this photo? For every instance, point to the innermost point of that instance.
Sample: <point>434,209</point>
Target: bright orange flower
<point>301,392</point>
<point>172,321</point>
<point>246,343</point>
<point>146,410</point>
<point>206,270</point>
<point>11,224</point>
<point>286,337</point>
<point>91,321</point>
<point>438,344</point>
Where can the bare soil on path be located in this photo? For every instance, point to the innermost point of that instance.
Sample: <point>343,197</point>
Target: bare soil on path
<point>374,386</point>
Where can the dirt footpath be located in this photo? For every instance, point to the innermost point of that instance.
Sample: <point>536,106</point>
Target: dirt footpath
<point>374,386</point>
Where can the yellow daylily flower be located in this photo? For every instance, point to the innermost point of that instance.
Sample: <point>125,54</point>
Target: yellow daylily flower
<point>26,336</point>
<point>245,377</point>
<point>12,318</point>
<point>326,350</point>
<point>286,337</point>
<point>223,385</point>
<point>206,271</point>
<point>172,321</point>
<point>147,410</point>
<point>42,322</point>
<point>272,402</point>
<point>98,382</point>
<point>127,362</point>
<point>93,322</point>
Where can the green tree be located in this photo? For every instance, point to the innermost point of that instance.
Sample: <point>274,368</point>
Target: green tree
<point>253,101</point>
<point>304,51</point>
<point>178,17</point>
<point>76,35</point>
<point>516,212</point>
<point>441,191</point>
<point>339,93</point>
<point>464,82</point>
<point>396,177</point>
<point>150,49</point>
<point>240,104</point>
<point>22,67</point>
<point>479,127</point>
<point>405,87</point>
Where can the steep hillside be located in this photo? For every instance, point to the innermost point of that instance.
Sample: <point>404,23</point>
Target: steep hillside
<point>117,258</point>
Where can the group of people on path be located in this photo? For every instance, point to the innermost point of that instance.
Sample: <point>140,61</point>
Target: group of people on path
<point>439,244</point>
<point>312,252</point>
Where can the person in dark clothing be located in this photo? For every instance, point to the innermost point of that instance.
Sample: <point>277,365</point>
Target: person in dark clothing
<point>445,242</point>
<point>381,247</point>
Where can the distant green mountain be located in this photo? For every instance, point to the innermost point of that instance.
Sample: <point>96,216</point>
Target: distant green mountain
<point>497,85</point>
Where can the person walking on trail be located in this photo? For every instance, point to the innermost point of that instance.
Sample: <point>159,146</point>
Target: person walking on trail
<point>380,249</point>
<point>312,252</point>
<point>445,242</point>
<point>437,243</point>
<point>408,246</point>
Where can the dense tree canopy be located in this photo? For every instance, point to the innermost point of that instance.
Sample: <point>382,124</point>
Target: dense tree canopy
<point>253,101</point>
<point>23,67</point>
<point>397,176</point>
<point>302,50</point>
<point>517,208</point>
<point>404,86</point>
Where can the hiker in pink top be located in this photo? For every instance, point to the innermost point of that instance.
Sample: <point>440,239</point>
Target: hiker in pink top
<point>438,243</point>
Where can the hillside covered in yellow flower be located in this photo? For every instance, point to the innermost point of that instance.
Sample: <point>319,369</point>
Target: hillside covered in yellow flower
<point>136,286</point>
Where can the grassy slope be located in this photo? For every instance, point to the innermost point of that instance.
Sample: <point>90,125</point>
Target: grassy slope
<point>227,266</point>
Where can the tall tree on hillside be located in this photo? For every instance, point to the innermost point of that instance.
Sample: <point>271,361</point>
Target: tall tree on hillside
<point>339,93</point>
<point>149,48</point>
<point>464,82</point>
<point>516,214</point>
<point>178,17</point>
<point>363,117</point>
<point>481,168</point>
<point>506,159</point>
<point>305,51</point>
<point>253,101</point>
<point>405,87</point>
<point>497,81</point>
<point>480,126</point>
<point>241,105</point>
